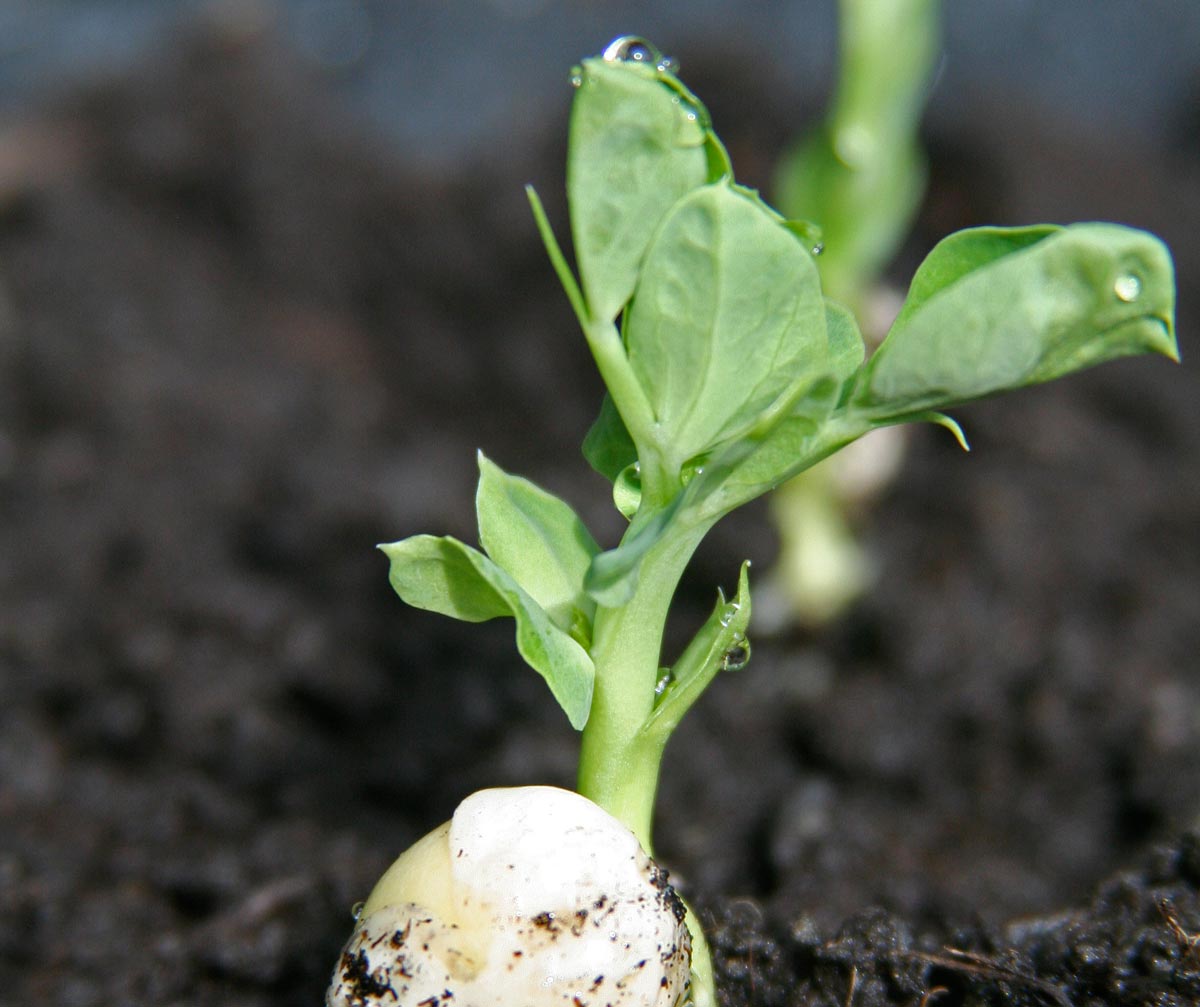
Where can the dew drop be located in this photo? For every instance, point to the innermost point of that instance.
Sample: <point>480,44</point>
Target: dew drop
<point>1127,287</point>
<point>818,248</point>
<point>576,76</point>
<point>737,656</point>
<point>356,910</point>
<point>668,64</point>
<point>632,49</point>
<point>694,113</point>
<point>664,681</point>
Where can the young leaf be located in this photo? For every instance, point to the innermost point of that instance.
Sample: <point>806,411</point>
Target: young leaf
<point>766,457</point>
<point>710,652</point>
<point>608,447</point>
<point>538,539</point>
<point>438,575</point>
<point>613,575</point>
<point>727,315</point>
<point>992,310</point>
<point>758,463</point>
<point>638,142</point>
<point>446,576</point>
<point>846,347</point>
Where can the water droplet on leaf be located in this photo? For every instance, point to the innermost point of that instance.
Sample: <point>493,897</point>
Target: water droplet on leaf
<point>690,112</point>
<point>737,656</point>
<point>576,76</point>
<point>818,248</point>
<point>1127,287</point>
<point>664,681</point>
<point>356,910</point>
<point>668,64</point>
<point>632,49</point>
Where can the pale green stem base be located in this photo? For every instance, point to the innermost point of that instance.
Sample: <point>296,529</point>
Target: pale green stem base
<point>618,768</point>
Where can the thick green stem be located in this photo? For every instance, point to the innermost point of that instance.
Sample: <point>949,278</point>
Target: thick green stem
<point>616,769</point>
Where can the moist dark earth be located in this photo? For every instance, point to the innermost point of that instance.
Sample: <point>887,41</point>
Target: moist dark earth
<point>242,342</point>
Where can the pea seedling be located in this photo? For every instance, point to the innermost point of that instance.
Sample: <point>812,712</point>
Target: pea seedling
<point>860,174</point>
<point>727,372</point>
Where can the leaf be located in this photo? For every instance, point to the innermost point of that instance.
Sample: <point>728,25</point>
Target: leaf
<point>727,316</point>
<point>963,252</point>
<point>772,452</point>
<point>994,309</point>
<point>613,576</point>
<point>446,576</point>
<point>638,142</point>
<point>608,447</point>
<point>846,347</point>
<point>538,539</point>
<point>704,658</point>
<point>438,575</point>
<point>747,468</point>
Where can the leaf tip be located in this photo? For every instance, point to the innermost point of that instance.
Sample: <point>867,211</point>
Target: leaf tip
<point>952,425</point>
<point>579,718</point>
<point>948,423</point>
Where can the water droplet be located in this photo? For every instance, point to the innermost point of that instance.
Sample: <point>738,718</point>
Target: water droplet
<point>809,233</point>
<point>668,64</point>
<point>737,656</point>
<point>1127,287</point>
<point>576,76</point>
<point>664,682</point>
<point>632,49</point>
<point>690,112</point>
<point>356,910</point>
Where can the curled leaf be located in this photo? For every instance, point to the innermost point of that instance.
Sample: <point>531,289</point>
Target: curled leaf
<point>442,574</point>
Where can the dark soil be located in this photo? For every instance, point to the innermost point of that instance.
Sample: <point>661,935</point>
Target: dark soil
<point>240,345</point>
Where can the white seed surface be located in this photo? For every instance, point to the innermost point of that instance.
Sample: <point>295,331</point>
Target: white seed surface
<point>528,897</point>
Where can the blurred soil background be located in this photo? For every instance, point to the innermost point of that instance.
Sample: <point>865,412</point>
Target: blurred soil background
<point>268,279</point>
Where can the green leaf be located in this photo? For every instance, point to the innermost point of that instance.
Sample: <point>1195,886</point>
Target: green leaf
<point>445,575</point>
<point>538,539</point>
<point>758,463</point>
<point>962,253</point>
<point>608,447</point>
<point>846,348</point>
<point>638,142</point>
<point>613,576</point>
<point>994,309</point>
<point>439,575</point>
<point>727,316</point>
<point>710,652</point>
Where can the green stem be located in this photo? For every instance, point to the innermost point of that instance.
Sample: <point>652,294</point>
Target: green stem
<point>617,769</point>
<point>608,350</point>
